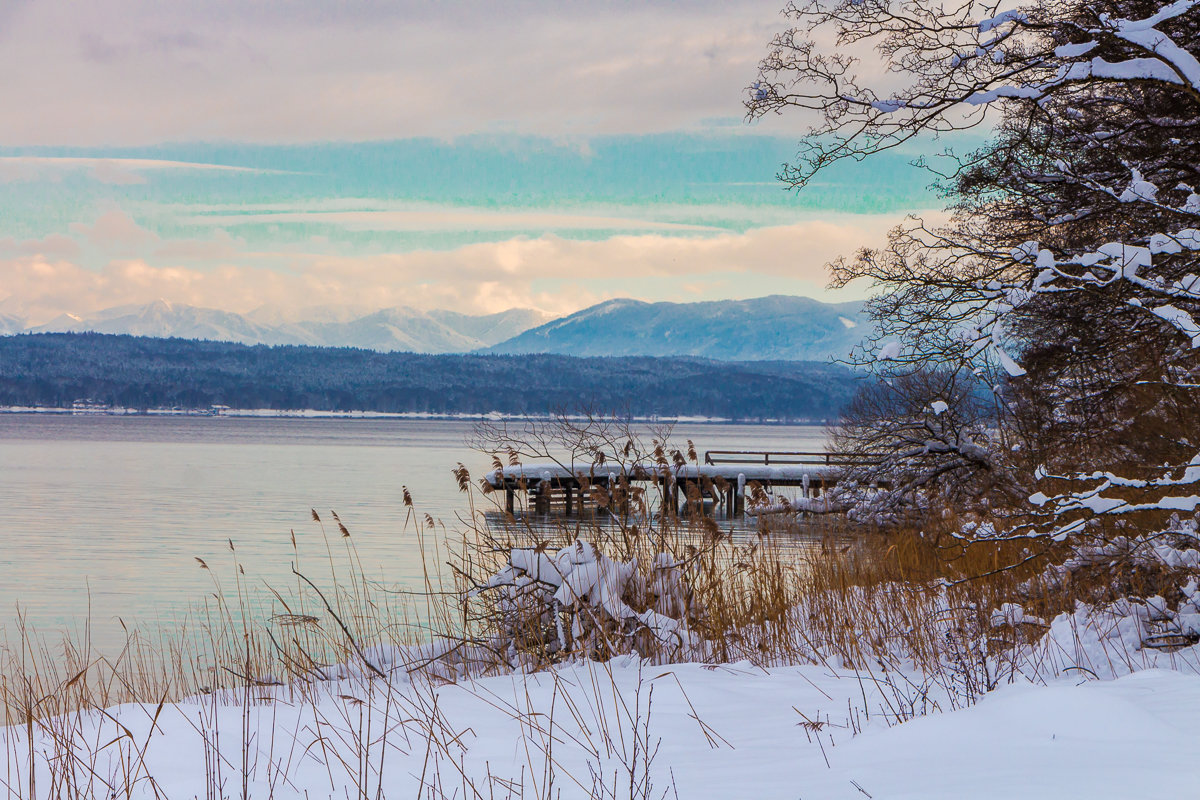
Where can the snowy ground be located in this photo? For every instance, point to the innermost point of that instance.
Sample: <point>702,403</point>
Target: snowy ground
<point>714,732</point>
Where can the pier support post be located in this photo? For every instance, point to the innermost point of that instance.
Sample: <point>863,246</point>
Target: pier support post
<point>570,492</point>
<point>689,508</point>
<point>510,499</point>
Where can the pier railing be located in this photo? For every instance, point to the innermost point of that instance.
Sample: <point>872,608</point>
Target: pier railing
<point>769,457</point>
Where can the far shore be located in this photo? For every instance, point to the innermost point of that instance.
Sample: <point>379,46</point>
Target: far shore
<point>311,413</point>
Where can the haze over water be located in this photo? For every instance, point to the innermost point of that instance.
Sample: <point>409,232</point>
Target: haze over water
<point>111,512</point>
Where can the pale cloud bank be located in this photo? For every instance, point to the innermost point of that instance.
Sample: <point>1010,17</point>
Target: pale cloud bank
<point>448,219</point>
<point>548,272</point>
<point>115,171</point>
<point>145,71</point>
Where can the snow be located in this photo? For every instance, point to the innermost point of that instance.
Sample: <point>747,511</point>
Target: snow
<point>1010,366</point>
<point>1171,11</point>
<point>1162,243</point>
<point>1132,69</point>
<point>1189,238</point>
<point>1181,320</point>
<point>848,323</point>
<point>1074,50</point>
<point>715,731</point>
<point>1002,19</point>
<point>1013,614</point>
<point>1162,46</point>
<point>535,472</point>
<point>1087,710</point>
<point>989,96</point>
<point>1139,189</point>
<point>1126,258</point>
<point>825,504</point>
<point>1025,251</point>
<point>1093,741</point>
<point>890,351</point>
<point>327,414</point>
<point>939,407</point>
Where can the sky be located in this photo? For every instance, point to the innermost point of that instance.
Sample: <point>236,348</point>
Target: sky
<point>475,156</point>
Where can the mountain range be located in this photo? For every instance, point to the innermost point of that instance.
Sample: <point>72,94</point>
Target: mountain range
<point>778,327</point>
<point>391,329</point>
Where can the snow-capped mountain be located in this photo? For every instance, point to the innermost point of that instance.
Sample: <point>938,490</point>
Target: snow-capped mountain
<point>767,328</point>
<point>400,328</point>
<point>492,328</point>
<point>392,329</point>
<point>11,324</point>
<point>164,319</point>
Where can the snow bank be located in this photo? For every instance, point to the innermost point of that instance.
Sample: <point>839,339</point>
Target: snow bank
<point>730,731</point>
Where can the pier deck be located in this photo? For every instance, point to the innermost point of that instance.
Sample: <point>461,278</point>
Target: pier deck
<point>723,478</point>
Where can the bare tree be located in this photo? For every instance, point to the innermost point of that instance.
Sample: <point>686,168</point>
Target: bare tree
<point>1067,277</point>
<point>922,440</point>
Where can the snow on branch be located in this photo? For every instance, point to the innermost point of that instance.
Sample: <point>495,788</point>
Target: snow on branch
<point>954,60</point>
<point>1073,511</point>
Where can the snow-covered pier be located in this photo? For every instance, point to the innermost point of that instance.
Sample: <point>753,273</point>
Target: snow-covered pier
<point>723,478</point>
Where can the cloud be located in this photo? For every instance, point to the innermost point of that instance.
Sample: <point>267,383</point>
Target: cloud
<point>116,174</point>
<point>220,247</point>
<point>138,72</point>
<point>53,246</point>
<point>115,231</point>
<point>100,50</point>
<point>549,272</point>
<point>448,219</point>
<point>115,171</point>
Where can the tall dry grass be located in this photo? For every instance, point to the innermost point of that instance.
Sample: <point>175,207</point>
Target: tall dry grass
<point>789,589</point>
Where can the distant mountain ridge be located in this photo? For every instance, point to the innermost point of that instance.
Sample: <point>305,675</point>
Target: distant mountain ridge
<point>777,327</point>
<point>389,330</point>
<point>774,328</point>
<point>10,324</point>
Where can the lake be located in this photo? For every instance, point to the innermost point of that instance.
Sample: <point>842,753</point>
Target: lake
<point>110,513</point>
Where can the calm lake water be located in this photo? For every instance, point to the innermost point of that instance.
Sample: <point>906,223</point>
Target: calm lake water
<point>111,512</point>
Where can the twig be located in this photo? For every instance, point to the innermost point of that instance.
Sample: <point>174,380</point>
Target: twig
<point>354,642</point>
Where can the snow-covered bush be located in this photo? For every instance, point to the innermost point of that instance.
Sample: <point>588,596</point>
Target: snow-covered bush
<point>579,602</point>
<point>919,440</point>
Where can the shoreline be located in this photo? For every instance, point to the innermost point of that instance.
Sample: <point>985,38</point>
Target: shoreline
<point>272,413</point>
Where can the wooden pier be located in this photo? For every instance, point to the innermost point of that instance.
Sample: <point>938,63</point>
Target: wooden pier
<point>723,478</point>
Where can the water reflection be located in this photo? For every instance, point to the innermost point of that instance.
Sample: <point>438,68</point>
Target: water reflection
<point>110,513</point>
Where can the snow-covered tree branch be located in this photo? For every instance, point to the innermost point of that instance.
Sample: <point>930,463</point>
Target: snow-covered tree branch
<point>1068,278</point>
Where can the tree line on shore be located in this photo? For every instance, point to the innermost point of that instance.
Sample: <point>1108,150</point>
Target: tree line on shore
<point>56,370</point>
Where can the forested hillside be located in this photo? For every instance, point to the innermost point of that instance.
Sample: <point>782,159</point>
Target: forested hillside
<point>138,372</point>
